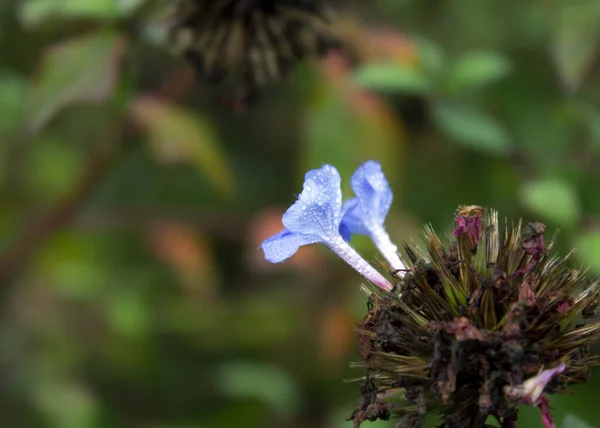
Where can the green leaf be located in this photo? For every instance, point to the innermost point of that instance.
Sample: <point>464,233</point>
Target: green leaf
<point>66,404</point>
<point>552,199</point>
<point>177,135</point>
<point>81,70</point>
<point>12,92</point>
<point>392,77</point>
<point>572,421</point>
<point>589,116</point>
<point>472,128</point>
<point>72,264</point>
<point>268,383</point>
<point>576,36</point>
<point>430,55</point>
<point>588,248</point>
<point>128,314</point>
<point>51,179</point>
<point>35,12</point>
<point>477,69</point>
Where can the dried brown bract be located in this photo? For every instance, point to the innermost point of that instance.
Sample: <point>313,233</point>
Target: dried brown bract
<point>472,329</point>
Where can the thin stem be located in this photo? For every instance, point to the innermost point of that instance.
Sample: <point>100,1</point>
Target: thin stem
<point>388,249</point>
<point>350,256</point>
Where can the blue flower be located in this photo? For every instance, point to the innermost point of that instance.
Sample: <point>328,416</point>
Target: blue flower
<point>365,214</point>
<point>317,217</point>
<point>373,199</point>
<point>284,245</point>
<point>314,217</point>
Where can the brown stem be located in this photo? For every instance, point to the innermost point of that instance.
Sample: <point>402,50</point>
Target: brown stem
<point>56,218</point>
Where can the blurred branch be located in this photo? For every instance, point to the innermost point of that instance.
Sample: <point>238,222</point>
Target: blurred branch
<point>224,225</point>
<point>33,236</point>
<point>66,208</point>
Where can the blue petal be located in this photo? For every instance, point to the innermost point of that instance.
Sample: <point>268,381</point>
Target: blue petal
<point>345,232</point>
<point>373,193</point>
<point>318,208</point>
<point>284,245</point>
<point>351,218</point>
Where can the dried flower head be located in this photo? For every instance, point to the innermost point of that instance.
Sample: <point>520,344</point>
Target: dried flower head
<point>466,331</point>
<point>472,329</point>
<point>251,41</point>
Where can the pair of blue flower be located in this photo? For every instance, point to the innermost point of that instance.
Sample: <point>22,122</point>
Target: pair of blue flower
<point>319,216</point>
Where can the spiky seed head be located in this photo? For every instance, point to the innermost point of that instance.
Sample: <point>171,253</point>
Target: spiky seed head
<point>251,41</point>
<point>491,320</point>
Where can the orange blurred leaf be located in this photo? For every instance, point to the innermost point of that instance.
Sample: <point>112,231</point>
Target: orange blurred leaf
<point>187,253</point>
<point>336,336</point>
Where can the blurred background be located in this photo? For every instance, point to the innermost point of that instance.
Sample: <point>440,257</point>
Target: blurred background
<point>132,290</point>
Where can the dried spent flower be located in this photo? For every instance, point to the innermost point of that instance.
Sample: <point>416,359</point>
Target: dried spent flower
<point>475,328</point>
<point>251,41</point>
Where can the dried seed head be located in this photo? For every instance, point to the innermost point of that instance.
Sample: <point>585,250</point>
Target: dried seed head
<point>251,41</point>
<point>490,321</point>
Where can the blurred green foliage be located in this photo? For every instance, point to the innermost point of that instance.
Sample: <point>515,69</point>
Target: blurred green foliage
<point>133,293</point>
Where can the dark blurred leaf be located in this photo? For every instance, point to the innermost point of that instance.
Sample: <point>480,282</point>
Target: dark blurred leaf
<point>177,135</point>
<point>552,199</point>
<point>34,12</point>
<point>12,92</point>
<point>72,264</point>
<point>243,412</point>
<point>589,115</point>
<point>472,128</point>
<point>179,425</point>
<point>535,118</point>
<point>576,36</point>
<point>53,179</point>
<point>393,77</point>
<point>573,421</point>
<point>81,70</point>
<point>270,384</point>
<point>477,69</point>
